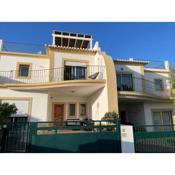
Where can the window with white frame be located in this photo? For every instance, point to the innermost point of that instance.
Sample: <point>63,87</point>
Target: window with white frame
<point>162,118</point>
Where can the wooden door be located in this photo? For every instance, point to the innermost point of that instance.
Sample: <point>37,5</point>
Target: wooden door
<point>58,112</point>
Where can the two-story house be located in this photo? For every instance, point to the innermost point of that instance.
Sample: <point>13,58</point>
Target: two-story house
<point>144,94</point>
<point>76,79</point>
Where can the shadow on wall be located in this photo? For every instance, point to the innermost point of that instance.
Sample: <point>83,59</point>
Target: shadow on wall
<point>34,119</point>
<point>92,99</point>
<point>8,80</point>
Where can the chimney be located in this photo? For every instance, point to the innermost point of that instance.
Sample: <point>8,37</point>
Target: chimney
<point>96,46</point>
<point>1,45</point>
<point>131,59</point>
<point>166,65</point>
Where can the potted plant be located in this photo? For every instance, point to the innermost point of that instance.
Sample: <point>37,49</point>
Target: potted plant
<point>110,118</point>
<point>113,116</point>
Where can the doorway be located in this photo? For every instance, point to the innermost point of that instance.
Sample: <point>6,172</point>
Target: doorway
<point>58,112</point>
<point>123,117</point>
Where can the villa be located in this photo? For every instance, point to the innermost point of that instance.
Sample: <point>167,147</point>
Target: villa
<point>75,79</point>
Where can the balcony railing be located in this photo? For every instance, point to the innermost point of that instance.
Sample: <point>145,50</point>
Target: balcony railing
<point>94,72</point>
<point>146,86</point>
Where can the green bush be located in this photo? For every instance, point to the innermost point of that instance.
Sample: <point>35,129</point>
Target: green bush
<point>6,110</point>
<point>110,116</point>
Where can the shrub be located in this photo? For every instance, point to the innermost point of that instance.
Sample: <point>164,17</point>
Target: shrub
<point>110,116</point>
<point>6,110</point>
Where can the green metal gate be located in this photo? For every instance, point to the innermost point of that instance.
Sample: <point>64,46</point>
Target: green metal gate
<point>78,137</point>
<point>154,139</point>
<point>16,137</point>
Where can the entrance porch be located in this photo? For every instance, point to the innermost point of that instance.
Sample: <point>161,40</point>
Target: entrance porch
<point>131,112</point>
<point>77,102</point>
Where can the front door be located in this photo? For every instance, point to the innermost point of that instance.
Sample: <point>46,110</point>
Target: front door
<point>58,112</point>
<point>123,117</point>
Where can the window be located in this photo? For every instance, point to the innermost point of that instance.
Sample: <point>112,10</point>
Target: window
<point>158,84</point>
<point>124,82</point>
<point>74,73</point>
<point>72,110</point>
<point>82,109</point>
<point>75,70</point>
<point>162,118</point>
<point>23,70</point>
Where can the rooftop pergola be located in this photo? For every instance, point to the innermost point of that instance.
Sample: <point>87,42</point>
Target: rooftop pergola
<point>76,40</point>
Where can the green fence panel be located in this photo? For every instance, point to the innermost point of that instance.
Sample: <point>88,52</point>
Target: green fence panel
<point>154,141</point>
<point>104,142</point>
<point>62,137</point>
<point>105,139</point>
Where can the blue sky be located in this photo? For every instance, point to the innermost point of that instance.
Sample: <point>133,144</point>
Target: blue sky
<point>152,41</point>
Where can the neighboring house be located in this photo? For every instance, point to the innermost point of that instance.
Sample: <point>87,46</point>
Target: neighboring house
<point>75,79</point>
<point>144,94</point>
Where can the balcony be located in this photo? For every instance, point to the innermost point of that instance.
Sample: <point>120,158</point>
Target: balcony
<point>91,72</point>
<point>140,86</point>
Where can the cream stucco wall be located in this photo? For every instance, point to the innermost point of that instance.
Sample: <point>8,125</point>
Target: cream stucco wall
<point>9,63</point>
<point>95,62</point>
<point>66,100</point>
<point>39,102</point>
<point>22,106</point>
<point>96,103</point>
<point>58,56</point>
<point>41,108</point>
<point>99,104</point>
<point>150,76</point>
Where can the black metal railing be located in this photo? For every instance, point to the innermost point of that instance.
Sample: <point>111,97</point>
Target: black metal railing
<point>54,75</point>
<point>145,86</point>
<point>154,128</point>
